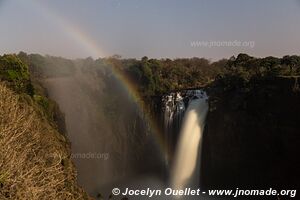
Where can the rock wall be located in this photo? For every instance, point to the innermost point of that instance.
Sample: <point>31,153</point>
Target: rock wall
<point>251,138</point>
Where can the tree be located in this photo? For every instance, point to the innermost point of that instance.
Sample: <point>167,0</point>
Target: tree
<point>291,62</point>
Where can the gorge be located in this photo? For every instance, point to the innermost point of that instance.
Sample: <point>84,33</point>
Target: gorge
<point>244,135</point>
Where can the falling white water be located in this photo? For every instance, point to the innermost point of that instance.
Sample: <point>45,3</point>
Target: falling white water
<point>186,167</point>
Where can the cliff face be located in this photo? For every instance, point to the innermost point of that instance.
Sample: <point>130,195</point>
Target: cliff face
<point>251,137</point>
<point>34,157</point>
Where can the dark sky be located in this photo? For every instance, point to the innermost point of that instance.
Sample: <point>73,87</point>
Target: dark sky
<point>156,28</point>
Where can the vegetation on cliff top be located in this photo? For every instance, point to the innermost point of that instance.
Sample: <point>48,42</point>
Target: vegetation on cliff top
<point>159,76</point>
<point>15,74</point>
<point>245,71</point>
<point>34,157</point>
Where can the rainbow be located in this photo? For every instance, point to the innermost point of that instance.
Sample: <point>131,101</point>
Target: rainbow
<point>90,46</point>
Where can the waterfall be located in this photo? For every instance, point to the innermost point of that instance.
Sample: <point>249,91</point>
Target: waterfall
<point>173,114</point>
<point>185,168</point>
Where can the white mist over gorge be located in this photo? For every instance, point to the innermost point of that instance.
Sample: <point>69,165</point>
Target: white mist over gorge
<point>103,143</point>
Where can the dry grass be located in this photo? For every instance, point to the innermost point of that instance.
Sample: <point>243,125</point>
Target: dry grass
<point>34,158</point>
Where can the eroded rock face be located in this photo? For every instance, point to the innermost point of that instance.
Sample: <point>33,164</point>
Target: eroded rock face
<point>252,136</point>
